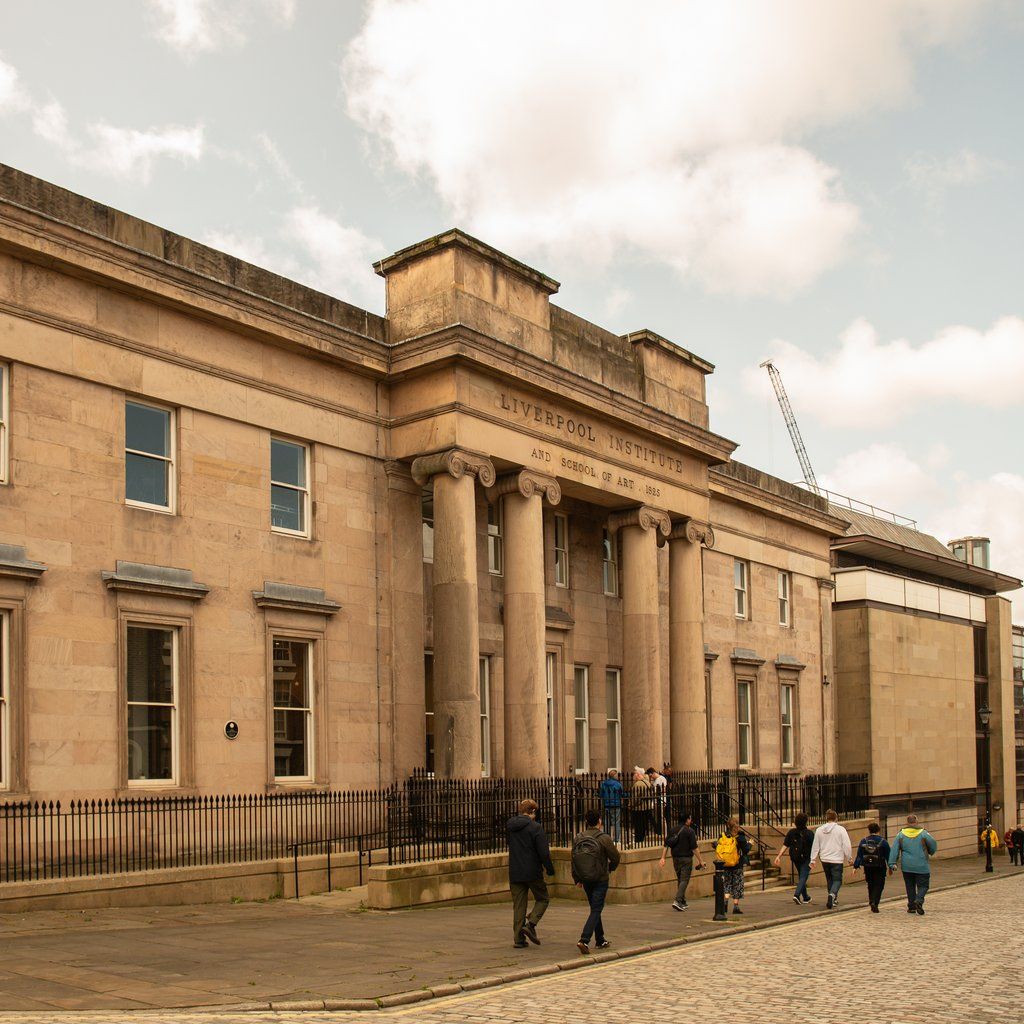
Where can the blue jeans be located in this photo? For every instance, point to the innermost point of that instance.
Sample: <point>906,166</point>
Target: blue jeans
<point>834,877</point>
<point>613,822</point>
<point>803,872</point>
<point>917,886</point>
<point>596,892</point>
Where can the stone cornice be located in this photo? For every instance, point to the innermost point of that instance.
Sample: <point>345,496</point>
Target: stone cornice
<point>455,238</point>
<point>527,483</point>
<point>743,493</point>
<point>456,462</point>
<point>464,345</point>
<point>14,564</point>
<point>745,656</point>
<point>826,584</point>
<point>154,579</point>
<point>33,236</point>
<point>644,516</point>
<point>287,597</point>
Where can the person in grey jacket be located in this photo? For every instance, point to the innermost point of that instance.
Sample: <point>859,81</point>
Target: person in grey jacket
<point>913,848</point>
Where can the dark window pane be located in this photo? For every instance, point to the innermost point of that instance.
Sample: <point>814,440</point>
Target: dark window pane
<point>291,682</point>
<point>286,508</point>
<point>287,463</point>
<point>290,742</point>
<point>147,429</point>
<point>149,664</point>
<point>149,743</point>
<point>145,479</point>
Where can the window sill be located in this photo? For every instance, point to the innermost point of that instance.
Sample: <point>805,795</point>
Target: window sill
<point>140,507</point>
<point>278,532</point>
<point>298,786</point>
<point>152,791</point>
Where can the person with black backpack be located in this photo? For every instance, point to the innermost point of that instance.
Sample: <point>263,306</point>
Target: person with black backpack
<point>682,841</point>
<point>799,840</point>
<point>873,857</point>
<point>594,855</point>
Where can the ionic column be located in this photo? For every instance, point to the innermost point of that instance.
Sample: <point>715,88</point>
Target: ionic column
<point>688,736</point>
<point>456,608</point>
<point>642,711</point>
<point>523,495</point>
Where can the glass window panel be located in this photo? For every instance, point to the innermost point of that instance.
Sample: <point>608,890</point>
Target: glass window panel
<point>147,429</point>
<point>286,506</point>
<point>428,694</point>
<point>150,742</point>
<point>612,685</point>
<point>287,462</point>
<point>291,735</point>
<point>150,665</point>
<point>580,687</point>
<point>744,747</point>
<point>744,702</point>
<point>291,674</point>
<point>145,479</point>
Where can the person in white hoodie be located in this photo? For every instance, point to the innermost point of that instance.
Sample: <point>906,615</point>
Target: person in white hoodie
<point>833,848</point>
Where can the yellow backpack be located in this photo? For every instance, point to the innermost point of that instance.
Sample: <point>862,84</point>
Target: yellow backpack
<point>727,851</point>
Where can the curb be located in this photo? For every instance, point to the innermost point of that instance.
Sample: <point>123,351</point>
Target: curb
<point>476,984</point>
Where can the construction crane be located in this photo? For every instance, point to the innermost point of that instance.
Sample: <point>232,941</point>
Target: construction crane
<point>794,430</point>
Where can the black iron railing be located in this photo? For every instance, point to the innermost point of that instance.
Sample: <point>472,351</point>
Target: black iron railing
<point>420,819</point>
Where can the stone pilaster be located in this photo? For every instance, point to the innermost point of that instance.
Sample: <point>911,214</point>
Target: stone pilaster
<point>829,742</point>
<point>642,711</point>
<point>456,607</point>
<point>1002,739</point>
<point>522,495</point>
<point>687,704</point>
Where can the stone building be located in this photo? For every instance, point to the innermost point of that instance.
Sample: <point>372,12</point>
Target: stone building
<point>254,538</point>
<point>922,642</point>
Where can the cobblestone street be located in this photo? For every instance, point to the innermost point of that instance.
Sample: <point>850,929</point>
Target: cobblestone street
<point>893,968</point>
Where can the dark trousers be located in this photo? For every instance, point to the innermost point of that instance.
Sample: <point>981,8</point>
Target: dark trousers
<point>641,824</point>
<point>684,868</point>
<point>833,876</point>
<point>875,879</point>
<point>520,895</point>
<point>1014,854</point>
<point>917,886</point>
<point>596,892</point>
<point>803,872</point>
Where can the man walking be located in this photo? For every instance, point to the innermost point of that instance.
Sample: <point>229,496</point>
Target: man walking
<point>873,856</point>
<point>833,848</point>
<point>611,800</point>
<point>1018,841</point>
<point>594,855</point>
<point>659,797</point>
<point>683,844</point>
<point>913,849</point>
<point>528,857</point>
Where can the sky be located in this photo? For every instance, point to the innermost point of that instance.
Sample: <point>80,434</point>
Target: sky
<point>832,185</point>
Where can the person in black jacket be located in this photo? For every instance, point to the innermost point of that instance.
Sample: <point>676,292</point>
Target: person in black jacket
<point>873,857</point>
<point>798,841</point>
<point>683,844</point>
<point>528,858</point>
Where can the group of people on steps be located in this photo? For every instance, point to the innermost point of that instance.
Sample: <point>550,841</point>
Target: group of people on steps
<point>595,856</point>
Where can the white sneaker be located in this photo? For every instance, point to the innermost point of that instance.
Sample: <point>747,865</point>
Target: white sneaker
<point>679,906</point>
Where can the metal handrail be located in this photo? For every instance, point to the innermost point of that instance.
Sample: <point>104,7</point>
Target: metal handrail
<point>293,848</point>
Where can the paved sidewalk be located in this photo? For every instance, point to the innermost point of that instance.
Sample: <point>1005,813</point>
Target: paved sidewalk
<point>322,948</point>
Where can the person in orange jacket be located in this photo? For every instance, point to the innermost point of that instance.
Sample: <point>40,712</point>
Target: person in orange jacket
<point>1011,846</point>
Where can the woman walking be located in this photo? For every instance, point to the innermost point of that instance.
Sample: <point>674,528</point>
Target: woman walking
<point>733,850</point>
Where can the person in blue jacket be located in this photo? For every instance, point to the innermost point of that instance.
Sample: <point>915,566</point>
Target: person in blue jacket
<point>611,800</point>
<point>913,848</point>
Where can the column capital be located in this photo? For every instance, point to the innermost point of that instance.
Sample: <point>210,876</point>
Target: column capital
<point>644,516</point>
<point>527,483</point>
<point>456,462</point>
<point>694,531</point>
<point>826,583</point>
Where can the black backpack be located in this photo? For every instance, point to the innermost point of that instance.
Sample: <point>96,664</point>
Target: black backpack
<point>589,860</point>
<point>800,850</point>
<point>871,853</point>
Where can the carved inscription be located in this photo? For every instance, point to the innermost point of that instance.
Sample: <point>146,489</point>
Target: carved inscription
<point>602,441</point>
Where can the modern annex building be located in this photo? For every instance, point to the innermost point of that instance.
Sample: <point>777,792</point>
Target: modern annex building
<point>255,538</point>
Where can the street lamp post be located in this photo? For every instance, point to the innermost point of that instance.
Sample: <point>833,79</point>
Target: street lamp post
<point>985,717</point>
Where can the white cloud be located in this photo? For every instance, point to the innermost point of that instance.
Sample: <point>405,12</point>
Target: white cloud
<point>945,505</point>
<point>129,153</point>
<point>12,95</point>
<point>867,381</point>
<point>196,26</point>
<point>317,250</point>
<point>933,176</point>
<point>672,131</point>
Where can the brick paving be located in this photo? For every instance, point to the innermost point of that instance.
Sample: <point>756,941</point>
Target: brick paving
<point>953,964</point>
